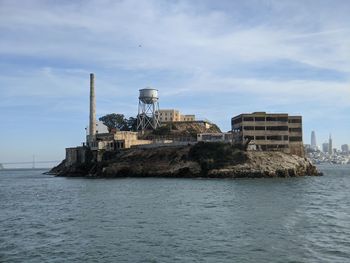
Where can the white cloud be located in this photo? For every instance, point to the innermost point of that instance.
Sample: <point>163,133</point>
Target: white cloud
<point>152,36</point>
<point>108,33</point>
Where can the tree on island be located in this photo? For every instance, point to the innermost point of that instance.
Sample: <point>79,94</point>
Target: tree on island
<point>113,121</point>
<point>132,124</point>
<point>119,122</point>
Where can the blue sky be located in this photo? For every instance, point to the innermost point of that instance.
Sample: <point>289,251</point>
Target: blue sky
<point>215,59</point>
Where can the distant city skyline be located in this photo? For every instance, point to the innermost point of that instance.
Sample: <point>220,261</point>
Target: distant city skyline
<point>213,59</point>
<point>328,141</point>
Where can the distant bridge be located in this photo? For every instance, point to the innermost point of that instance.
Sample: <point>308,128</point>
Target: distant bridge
<point>32,163</point>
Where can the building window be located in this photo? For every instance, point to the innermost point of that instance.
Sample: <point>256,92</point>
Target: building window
<point>277,128</point>
<point>259,118</point>
<point>260,128</point>
<point>274,138</point>
<point>295,129</point>
<point>282,119</point>
<point>271,119</point>
<point>295,139</point>
<point>294,121</point>
<point>248,119</point>
<point>236,121</point>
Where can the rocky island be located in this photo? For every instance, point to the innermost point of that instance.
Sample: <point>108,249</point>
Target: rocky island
<point>204,160</point>
<point>166,143</point>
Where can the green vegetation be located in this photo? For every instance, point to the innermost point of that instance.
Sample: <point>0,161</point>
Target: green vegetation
<point>163,130</point>
<point>214,155</point>
<point>119,122</point>
<point>166,129</point>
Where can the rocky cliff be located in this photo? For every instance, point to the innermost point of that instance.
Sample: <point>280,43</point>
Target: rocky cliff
<point>210,160</point>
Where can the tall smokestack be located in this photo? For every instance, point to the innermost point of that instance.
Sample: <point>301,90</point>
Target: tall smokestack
<point>92,124</point>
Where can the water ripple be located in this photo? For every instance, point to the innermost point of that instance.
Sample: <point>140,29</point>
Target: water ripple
<point>47,219</point>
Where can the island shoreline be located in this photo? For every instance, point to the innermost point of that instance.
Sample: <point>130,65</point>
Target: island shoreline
<point>202,160</point>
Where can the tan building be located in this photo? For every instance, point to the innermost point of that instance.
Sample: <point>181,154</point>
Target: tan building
<point>172,115</point>
<point>190,117</point>
<point>103,142</point>
<point>117,140</point>
<point>270,131</point>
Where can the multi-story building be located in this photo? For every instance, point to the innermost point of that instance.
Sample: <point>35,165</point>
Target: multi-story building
<point>172,115</point>
<point>100,143</point>
<point>325,147</point>
<point>330,145</point>
<point>270,131</point>
<point>313,140</point>
<point>188,117</point>
<point>345,148</point>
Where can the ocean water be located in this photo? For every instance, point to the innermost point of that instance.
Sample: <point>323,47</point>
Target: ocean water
<point>49,219</point>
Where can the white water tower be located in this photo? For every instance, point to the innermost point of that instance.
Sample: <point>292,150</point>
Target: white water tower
<point>148,109</point>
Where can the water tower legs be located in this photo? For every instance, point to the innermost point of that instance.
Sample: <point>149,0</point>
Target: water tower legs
<point>148,115</point>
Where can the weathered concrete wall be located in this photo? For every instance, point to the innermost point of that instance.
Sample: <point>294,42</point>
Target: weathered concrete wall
<point>271,131</point>
<point>129,138</point>
<point>75,155</point>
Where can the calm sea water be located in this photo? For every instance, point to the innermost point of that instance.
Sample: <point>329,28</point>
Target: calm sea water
<point>48,219</point>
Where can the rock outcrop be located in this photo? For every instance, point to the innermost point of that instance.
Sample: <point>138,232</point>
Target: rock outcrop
<point>209,160</point>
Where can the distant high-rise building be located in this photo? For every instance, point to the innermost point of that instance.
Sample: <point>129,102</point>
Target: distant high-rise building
<point>313,140</point>
<point>345,148</point>
<point>330,145</point>
<point>325,147</point>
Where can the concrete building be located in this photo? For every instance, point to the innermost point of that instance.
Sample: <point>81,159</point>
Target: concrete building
<point>325,147</point>
<point>169,115</point>
<point>345,148</point>
<point>109,142</point>
<point>330,145</point>
<point>188,117</point>
<point>270,131</point>
<point>172,115</point>
<point>308,148</point>
<point>313,140</point>
<point>76,155</point>
<point>114,141</point>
